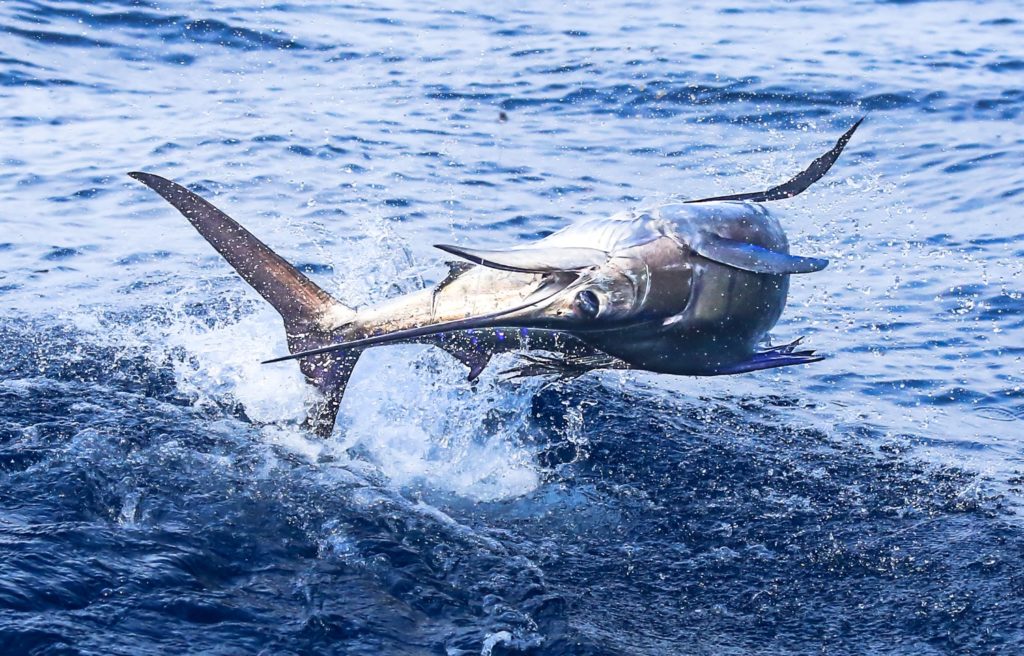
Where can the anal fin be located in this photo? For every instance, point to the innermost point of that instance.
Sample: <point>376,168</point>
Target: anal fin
<point>455,269</point>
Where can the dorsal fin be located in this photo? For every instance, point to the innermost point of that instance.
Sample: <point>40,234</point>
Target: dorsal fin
<point>541,259</point>
<point>798,184</point>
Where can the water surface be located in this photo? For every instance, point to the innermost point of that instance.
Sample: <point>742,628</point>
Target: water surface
<point>157,495</point>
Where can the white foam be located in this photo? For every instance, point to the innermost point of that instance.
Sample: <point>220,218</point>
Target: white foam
<point>414,415</point>
<point>224,361</point>
<point>409,410</point>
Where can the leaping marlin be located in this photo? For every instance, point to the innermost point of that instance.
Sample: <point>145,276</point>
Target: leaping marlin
<point>689,288</point>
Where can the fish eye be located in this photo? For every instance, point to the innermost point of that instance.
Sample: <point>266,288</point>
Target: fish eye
<point>587,304</point>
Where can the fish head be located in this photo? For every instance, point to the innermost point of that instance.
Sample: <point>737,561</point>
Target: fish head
<point>633,286</point>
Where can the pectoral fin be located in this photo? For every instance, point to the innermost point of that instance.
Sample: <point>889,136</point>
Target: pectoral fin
<point>757,259</point>
<point>531,260</point>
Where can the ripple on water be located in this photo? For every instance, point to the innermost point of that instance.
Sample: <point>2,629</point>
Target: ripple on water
<point>157,493</point>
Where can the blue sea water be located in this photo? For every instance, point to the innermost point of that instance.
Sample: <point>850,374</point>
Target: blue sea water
<point>157,495</point>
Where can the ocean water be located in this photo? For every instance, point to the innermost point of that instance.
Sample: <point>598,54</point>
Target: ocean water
<point>157,495</point>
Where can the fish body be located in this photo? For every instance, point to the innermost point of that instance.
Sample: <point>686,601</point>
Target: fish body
<point>687,288</point>
<point>661,306</point>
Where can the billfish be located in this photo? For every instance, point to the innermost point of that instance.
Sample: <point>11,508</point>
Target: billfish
<point>687,288</point>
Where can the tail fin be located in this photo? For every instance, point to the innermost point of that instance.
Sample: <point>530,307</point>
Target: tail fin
<point>300,302</point>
